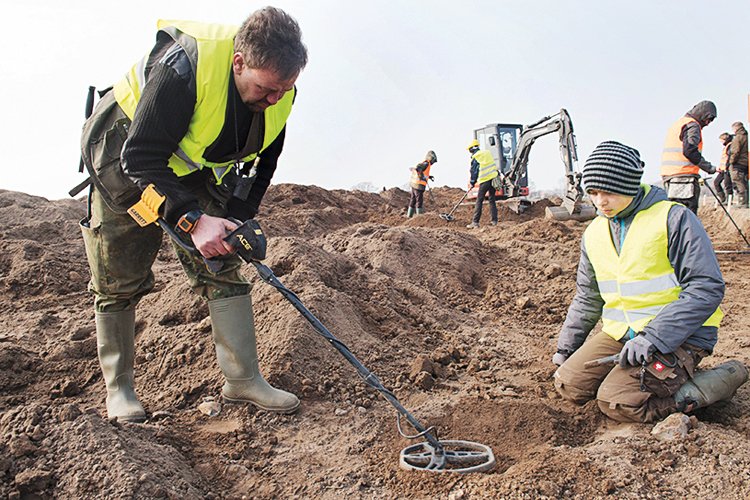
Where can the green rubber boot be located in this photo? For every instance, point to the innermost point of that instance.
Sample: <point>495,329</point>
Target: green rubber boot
<point>115,338</point>
<point>410,212</point>
<point>420,211</point>
<point>709,386</point>
<point>234,337</point>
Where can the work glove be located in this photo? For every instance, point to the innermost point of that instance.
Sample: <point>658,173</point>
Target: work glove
<point>636,351</point>
<point>432,178</point>
<point>707,167</point>
<point>560,357</point>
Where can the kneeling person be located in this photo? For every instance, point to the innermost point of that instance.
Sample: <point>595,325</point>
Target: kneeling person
<point>648,270</point>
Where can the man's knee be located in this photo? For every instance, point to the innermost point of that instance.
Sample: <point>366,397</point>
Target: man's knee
<point>571,389</point>
<point>620,398</point>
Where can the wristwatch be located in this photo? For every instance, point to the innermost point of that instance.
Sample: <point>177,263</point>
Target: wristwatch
<point>186,224</point>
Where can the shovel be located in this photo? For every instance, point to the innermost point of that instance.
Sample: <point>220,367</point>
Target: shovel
<point>449,216</point>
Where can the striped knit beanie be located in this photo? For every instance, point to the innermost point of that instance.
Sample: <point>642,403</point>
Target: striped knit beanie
<point>614,168</point>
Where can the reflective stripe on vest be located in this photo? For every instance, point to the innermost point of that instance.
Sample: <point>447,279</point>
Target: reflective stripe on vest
<point>673,161</point>
<point>209,48</point>
<point>636,284</point>
<point>487,165</point>
<point>418,183</point>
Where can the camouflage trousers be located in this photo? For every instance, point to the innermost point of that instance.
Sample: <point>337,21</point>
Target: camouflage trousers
<point>633,394</point>
<point>121,254</point>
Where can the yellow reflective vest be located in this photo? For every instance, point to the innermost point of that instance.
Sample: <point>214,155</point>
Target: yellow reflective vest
<point>487,165</point>
<point>210,48</point>
<point>640,281</point>
<point>673,161</point>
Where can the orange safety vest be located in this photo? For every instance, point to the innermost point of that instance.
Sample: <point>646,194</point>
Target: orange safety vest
<point>724,158</point>
<point>673,161</point>
<point>418,183</point>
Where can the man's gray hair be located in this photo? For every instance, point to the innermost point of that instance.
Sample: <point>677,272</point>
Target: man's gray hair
<point>271,39</point>
<point>737,125</point>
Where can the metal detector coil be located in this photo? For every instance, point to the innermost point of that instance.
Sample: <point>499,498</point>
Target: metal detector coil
<point>455,456</point>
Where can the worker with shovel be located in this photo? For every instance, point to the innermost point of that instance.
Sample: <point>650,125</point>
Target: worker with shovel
<point>648,271</point>
<point>202,117</point>
<point>483,170</point>
<point>420,175</point>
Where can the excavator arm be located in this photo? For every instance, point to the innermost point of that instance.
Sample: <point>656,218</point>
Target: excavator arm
<point>571,207</point>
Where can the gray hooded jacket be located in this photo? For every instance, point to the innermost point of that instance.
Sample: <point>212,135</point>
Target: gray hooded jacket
<point>694,261</point>
<point>704,112</point>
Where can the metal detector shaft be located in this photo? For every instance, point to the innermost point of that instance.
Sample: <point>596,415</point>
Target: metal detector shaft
<point>708,185</point>
<point>266,274</point>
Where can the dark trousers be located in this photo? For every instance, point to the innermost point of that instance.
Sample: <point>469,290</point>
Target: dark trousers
<point>484,188</point>
<point>739,179</point>
<point>723,185</point>
<point>416,200</point>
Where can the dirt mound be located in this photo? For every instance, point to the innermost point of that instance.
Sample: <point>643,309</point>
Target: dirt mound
<point>459,323</point>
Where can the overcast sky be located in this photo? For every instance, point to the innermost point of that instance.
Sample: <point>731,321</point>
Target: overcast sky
<point>388,80</point>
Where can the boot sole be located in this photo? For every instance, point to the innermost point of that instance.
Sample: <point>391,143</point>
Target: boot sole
<point>285,411</point>
<point>135,419</point>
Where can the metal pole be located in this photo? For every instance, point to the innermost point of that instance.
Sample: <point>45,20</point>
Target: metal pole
<point>708,185</point>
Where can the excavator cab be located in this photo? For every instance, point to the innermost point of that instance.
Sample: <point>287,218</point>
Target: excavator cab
<point>502,139</point>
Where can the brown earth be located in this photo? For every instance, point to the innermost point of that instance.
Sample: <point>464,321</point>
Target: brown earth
<point>484,306</point>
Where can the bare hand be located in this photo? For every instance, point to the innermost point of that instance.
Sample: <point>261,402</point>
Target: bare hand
<point>208,236</point>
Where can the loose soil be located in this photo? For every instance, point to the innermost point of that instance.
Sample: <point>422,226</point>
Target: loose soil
<point>480,309</point>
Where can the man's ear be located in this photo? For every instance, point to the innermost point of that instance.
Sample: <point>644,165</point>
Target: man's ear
<point>238,61</point>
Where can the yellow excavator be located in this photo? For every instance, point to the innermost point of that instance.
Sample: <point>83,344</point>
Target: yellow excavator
<point>510,145</point>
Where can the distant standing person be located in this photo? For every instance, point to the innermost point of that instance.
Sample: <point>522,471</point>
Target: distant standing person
<point>483,169</point>
<point>738,163</point>
<point>723,181</point>
<point>420,174</point>
<point>682,157</point>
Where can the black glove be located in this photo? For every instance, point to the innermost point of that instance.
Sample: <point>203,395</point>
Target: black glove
<point>249,241</point>
<point>637,351</point>
<point>432,178</point>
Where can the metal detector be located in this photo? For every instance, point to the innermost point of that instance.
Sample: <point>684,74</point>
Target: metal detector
<point>708,185</point>
<point>449,216</point>
<point>248,239</point>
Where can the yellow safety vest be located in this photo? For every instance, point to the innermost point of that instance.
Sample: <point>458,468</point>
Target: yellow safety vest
<point>673,161</point>
<point>210,48</point>
<point>487,165</point>
<point>640,281</point>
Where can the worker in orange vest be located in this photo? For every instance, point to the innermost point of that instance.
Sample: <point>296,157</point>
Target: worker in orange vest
<point>723,181</point>
<point>420,174</point>
<point>682,157</point>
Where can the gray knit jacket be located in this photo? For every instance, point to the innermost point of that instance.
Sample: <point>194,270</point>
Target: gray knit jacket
<point>694,261</point>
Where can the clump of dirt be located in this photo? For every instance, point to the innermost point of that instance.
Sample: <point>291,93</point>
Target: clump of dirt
<point>460,324</point>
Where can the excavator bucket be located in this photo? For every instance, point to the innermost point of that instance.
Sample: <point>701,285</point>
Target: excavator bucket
<point>578,211</point>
